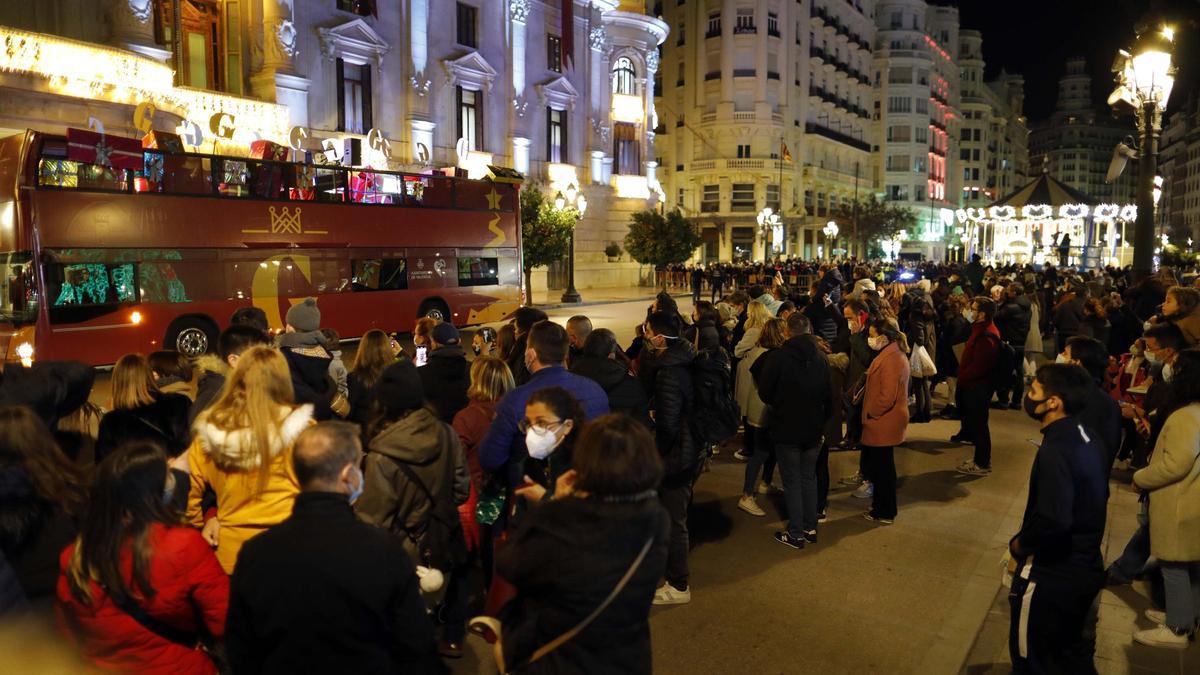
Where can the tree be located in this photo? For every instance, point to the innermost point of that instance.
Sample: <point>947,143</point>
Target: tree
<point>658,240</point>
<point>876,220</point>
<point>545,233</point>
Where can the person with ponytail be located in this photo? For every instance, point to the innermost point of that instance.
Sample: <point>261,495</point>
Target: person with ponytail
<point>242,450</point>
<point>138,588</point>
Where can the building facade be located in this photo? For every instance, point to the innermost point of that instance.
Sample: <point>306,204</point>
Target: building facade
<point>1075,144</point>
<point>561,92</point>
<point>765,104</point>
<point>918,103</point>
<point>993,149</point>
<point>1178,212</point>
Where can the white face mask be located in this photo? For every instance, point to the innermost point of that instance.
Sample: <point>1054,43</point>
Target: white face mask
<point>1153,357</point>
<point>1061,359</point>
<point>969,315</point>
<point>878,342</point>
<point>540,442</point>
<point>355,493</point>
<point>1168,372</point>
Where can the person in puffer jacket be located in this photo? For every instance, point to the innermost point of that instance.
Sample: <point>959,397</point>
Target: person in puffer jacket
<point>303,345</point>
<point>133,557</point>
<point>242,450</point>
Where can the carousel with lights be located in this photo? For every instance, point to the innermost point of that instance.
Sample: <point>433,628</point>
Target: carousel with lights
<point>1048,221</point>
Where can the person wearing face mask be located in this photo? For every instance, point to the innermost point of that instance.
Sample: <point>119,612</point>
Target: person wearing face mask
<point>323,589</point>
<point>1059,569</point>
<point>666,373</point>
<point>552,422</point>
<point>483,343</point>
<point>135,579</point>
<point>503,450</point>
<point>523,321</point>
<point>975,387</point>
<point>884,417</point>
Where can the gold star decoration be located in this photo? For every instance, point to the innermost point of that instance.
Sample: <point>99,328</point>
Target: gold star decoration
<point>493,198</point>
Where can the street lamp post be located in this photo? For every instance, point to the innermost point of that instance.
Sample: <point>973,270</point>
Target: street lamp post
<point>831,232</point>
<point>767,221</point>
<point>574,200</point>
<point>1144,81</point>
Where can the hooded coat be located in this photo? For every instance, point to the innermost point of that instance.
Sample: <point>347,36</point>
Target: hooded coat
<point>419,446</point>
<point>625,393</point>
<point>225,461</point>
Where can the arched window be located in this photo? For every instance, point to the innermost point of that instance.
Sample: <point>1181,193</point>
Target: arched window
<point>623,75</point>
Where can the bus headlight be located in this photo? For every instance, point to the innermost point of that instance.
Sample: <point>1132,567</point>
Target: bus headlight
<point>135,318</point>
<point>25,353</point>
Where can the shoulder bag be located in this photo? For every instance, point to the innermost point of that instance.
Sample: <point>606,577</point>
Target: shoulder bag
<point>487,624</point>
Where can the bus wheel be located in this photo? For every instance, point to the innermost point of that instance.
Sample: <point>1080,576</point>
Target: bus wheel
<point>434,309</point>
<point>191,336</point>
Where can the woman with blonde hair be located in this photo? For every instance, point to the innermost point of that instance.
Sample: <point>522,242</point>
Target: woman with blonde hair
<point>757,316</point>
<point>141,411</point>
<point>761,455</point>
<point>374,354</point>
<point>243,451</point>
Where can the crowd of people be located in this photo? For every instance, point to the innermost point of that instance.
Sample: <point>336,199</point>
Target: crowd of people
<point>271,508</point>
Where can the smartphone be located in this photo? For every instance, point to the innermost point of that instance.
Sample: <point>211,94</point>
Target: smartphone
<point>421,356</point>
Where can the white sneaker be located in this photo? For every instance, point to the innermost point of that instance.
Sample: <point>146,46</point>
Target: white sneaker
<point>855,479</point>
<point>865,491</point>
<point>1158,618</point>
<point>764,488</point>
<point>747,504</point>
<point>669,595</point>
<point>741,456</point>
<point>1161,636</point>
<point>973,469</point>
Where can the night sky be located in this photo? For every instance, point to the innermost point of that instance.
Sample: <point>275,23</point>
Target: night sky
<point>1036,37</point>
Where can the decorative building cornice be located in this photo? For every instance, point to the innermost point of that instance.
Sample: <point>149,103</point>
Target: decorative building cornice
<point>652,62</point>
<point>518,10</point>
<point>140,9</point>
<point>353,41</point>
<point>558,93</point>
<point>420,84</point>
<point>470,70</point>
<point>598,38</point>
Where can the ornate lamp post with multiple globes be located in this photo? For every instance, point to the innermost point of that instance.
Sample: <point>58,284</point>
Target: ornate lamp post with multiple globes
<point>768,220</point>
<point>1144,80</point>
<point>831,231</point>
<point>571,199</point>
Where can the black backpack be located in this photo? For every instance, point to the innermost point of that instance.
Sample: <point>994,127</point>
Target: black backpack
<point>715,415</point>
<point>1004,370</point>
<point>439,539</point>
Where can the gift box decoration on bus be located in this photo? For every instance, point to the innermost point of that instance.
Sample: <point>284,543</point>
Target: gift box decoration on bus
<point>267,178</point>
<point>113,152</point>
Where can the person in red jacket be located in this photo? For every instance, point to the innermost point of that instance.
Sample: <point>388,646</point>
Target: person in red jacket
<point>975,385</point>
<point>137,588</point>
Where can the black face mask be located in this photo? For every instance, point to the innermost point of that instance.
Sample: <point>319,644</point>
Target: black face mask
<point>1031,405</point>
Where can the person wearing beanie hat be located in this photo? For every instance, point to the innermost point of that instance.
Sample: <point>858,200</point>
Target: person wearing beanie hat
<point>303,345</point>
<point>415,474</point>
<point>446,374</point>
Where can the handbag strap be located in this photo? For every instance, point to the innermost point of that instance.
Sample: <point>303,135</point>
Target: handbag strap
<point>163,630</point>
<point>567,636</point>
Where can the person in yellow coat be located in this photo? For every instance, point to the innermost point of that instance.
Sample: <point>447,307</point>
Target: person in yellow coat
<point>243,451</point>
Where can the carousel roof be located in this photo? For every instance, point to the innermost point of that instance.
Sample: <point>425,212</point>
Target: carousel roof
<point>1045,190</point>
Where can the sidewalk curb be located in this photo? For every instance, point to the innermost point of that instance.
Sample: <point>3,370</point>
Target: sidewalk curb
<point>609,301</point>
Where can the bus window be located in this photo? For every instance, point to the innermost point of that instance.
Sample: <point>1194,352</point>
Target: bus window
<point>64,173</point>
<point>83,291</point>
<point>18,294</point>
<point>478,271</point>
<point>331,185</point>
<point>386,274</point>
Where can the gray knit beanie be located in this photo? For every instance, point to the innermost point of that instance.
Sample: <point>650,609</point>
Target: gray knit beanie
<point>305,317</point>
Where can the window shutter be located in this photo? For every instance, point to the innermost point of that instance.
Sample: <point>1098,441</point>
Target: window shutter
<point>340,66</point>
<point>367,103</point>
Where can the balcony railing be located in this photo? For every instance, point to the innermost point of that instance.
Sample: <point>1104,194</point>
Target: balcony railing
<point>811,128</point>
<point>745,30</point>
<point>712,75</point>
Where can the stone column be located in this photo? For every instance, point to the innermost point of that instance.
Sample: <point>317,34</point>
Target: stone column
<point>760,53</point>
<point>276,79</point>
<point>728,20</point>
<point>518,12</point>
<point>599,98</point>
<point>132,24</point>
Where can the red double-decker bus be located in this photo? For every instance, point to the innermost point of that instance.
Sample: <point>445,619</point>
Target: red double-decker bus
<point>99,262</point>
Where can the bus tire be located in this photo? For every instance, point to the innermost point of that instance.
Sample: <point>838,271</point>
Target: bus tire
<point>434,309</point>
<point>192,336</point>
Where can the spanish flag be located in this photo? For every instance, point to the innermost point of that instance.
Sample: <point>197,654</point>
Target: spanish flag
<point>784,152</point>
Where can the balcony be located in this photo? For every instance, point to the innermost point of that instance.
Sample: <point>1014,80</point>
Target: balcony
<point>772,75</point>
<point>712,75</point>
<point>710,207</point>
<point>937,125</point>
<point>723,165</point>
<point>773,32</point>
<point>713,32</point>
<point>817,53</point>
<point>743,72</point>
<point>838,136</point>
<point>745,30</point>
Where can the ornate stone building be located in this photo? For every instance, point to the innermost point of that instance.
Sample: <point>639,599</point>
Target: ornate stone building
<point>993,148</point>
<point>562,90</point>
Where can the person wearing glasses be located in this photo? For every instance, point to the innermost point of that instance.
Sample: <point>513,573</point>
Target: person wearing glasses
<point>553,418</point>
